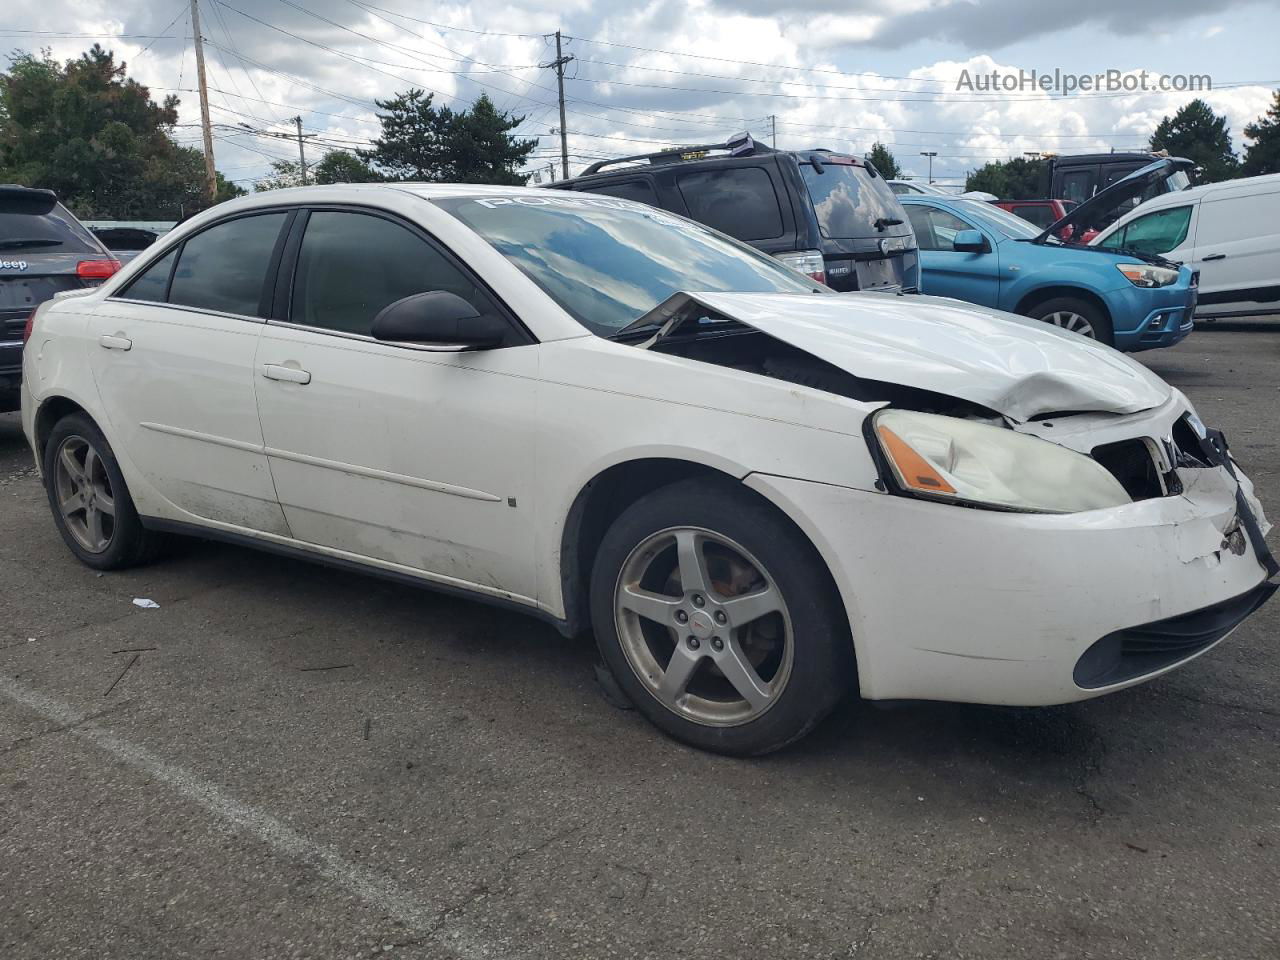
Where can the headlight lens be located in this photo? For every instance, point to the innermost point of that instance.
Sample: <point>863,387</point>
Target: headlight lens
<point>959,461</point>
<point>1146,275</point>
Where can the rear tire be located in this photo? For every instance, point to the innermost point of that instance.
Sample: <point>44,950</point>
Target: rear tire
<point>1077,315</point>
<point>701,591</point>
<point>91,505</point>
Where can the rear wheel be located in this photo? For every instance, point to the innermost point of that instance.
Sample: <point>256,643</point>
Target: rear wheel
<point>90,502</point>
<point>719,620</point>
<point>1077,315</point>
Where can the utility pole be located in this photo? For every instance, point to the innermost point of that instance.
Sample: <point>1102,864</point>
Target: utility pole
<point>302,152</point>
<point>559,64</point>
<point>773,129</point>
<point>210,175</point>
<point>930,154</point>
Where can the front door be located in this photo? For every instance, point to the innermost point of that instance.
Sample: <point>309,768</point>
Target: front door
<point>419,458</point>
<point>173,359</point>
<point>947,272</point>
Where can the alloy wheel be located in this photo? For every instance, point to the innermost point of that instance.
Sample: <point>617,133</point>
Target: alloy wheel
<point>703,626</point>
<point>1070,320</point>
<point>84,495</point>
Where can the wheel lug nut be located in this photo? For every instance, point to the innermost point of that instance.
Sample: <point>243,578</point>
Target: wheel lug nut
<point>693,642</point>
<point>681,617</point>
<point>720,617</point>
<point>697,600</point>
<point>717,644</point>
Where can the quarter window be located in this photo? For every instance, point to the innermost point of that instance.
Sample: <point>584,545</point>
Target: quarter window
<point>738,201</point>
<point>351,265</point>
<point>224,268</point>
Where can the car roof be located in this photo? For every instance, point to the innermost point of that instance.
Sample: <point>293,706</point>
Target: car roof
<point>1247,185</point>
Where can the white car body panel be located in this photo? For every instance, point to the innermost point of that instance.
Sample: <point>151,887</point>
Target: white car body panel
<point>1014,365</point>
<point>1233,239</point>
<point>462,469</point>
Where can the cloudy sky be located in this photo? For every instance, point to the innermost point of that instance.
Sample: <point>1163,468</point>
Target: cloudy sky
<point>833,73</point>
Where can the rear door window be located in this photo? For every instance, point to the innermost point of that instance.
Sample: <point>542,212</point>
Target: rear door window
<point>848,201</point>
<point>639,190</point>
<point>935,229</point>
<point>739,201</point>
<point>224,268</point>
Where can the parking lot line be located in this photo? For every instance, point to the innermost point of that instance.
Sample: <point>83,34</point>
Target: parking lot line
<point>374,889</point>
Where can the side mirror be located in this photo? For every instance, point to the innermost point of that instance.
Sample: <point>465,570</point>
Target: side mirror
<point>969,241</point>
<point>438,317</point>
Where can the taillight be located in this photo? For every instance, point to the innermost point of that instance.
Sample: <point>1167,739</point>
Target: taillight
<point>96,269</point>
<point>808,262</point>
<point>26,331</point>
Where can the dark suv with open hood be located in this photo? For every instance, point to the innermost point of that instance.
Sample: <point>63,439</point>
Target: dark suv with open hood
<point>829,215</point>
<point>44,250</point>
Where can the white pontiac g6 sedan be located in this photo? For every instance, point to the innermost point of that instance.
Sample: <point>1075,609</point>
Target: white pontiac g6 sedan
<point>757,493</point>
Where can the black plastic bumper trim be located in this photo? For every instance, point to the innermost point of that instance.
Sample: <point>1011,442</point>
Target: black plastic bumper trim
<point>1137,651</point>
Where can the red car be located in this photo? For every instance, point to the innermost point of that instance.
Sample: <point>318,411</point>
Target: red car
<point>1044,212</point>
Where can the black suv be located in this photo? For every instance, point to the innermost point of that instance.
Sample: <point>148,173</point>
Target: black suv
<point>1078,177</point>
<point>829,215</point>
<point>43,250</point>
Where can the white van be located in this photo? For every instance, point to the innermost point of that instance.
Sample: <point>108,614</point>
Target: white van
<point>1228,231</point>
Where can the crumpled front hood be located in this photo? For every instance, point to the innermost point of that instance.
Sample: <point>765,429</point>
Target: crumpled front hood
<point>1019,367</point>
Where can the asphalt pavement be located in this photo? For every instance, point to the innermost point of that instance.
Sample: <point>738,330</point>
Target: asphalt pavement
<point>284,760</point>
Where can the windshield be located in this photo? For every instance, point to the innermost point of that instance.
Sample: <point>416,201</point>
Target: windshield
<point>608,262</point>
<point>848,200</point>
<point>1007,223</point>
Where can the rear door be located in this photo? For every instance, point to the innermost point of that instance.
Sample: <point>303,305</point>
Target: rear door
<point>743,197</point>
<point>1237,251</point>
<point>173,359</point>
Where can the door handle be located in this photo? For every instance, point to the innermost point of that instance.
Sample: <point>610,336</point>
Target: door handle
<point>1215,256</point>
<point>115,343</point>
<point>277,371</point>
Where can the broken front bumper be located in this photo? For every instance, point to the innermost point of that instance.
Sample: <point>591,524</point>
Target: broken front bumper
<point>950,603</point>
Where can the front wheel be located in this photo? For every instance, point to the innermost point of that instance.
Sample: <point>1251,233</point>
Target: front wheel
<point>719,620</point>
<point>1077,315</point>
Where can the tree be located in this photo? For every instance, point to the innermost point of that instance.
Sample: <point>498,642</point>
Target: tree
<point>336,166</point>
<point>1263,154</point>
<point>339,166</point>
<point>1018,178</point>
<point>1200,135</point>
<point>884,161</point>
<point>85,130</point>
<point>421,141</point>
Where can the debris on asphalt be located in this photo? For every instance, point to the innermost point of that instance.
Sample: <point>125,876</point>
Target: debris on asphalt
<point>368,725</point>
<point>332,666</point>
<point>126,669</point>
<point>145,604</point>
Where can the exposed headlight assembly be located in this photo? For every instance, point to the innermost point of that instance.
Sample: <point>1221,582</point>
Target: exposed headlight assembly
<point>1145,275</point>
<point>959,461</point>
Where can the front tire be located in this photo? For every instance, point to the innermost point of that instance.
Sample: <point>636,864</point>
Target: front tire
<point>1077,315</point>
<point>719,620</point>
<point>91,505</point>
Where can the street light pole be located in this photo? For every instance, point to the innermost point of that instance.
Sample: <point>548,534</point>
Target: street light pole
<point>930,154</point>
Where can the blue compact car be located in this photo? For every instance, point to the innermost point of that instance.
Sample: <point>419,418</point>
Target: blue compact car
<point>977,252</point>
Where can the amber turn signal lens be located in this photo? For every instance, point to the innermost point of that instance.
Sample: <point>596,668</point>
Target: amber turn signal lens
<point>914,470</point>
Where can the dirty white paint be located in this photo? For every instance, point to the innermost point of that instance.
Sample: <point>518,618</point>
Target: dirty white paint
<point>383,894</point>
